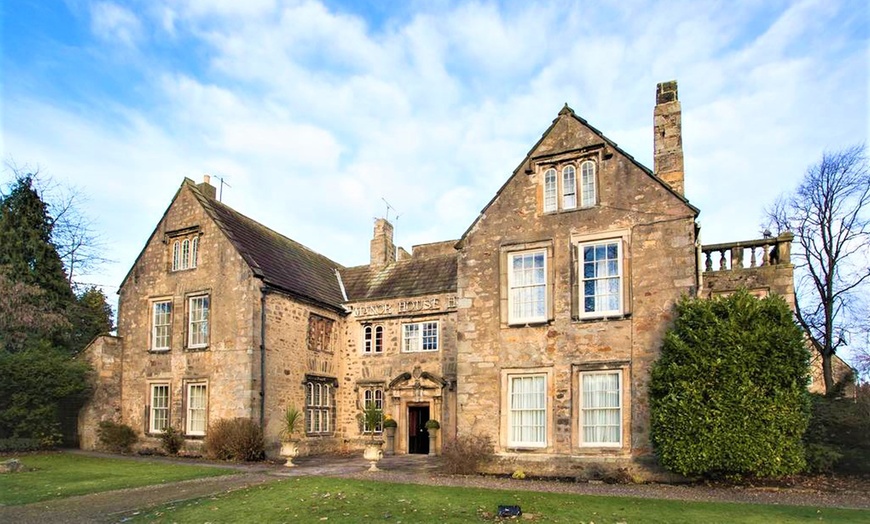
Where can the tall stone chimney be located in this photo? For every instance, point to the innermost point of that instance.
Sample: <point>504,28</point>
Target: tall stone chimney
<point>668,139</point>
<point>206,188</point>
<point>382,248</point>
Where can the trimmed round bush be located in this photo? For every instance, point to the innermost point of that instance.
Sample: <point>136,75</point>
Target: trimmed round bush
<point>728,396</point>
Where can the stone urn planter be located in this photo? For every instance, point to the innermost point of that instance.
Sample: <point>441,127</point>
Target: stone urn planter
<point>432,426</point>
<point>289,445</point>
<point>373,454</point>
<point>290,450</point>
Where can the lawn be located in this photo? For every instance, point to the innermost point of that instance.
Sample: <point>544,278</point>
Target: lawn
<point>60,475</point>
<point>320,499</point>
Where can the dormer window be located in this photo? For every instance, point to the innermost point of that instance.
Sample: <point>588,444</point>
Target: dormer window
<point>563,191</point>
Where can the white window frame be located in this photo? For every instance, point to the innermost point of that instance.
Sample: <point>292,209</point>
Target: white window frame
<point>196,317</point>
<point>176,255</point>
<point>618,409</point>
<point>569,190</point>
<point>194,251</point>
<point>514,410</point>
<point>515,318</point>
<point>374,394</point>
<point>319,402</point>
<point>415,335</point>
<point>582,279</point>
<point>156,334</point>
<point>154,409</point>
<point>195,411</point>
<point>373,339</point>
<point>588,184</point>
<point>551,190</point>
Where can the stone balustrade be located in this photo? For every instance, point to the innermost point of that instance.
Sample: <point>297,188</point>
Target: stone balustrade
<point>748,254</point>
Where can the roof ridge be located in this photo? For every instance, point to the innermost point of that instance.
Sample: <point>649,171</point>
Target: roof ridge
<point>211,202</point>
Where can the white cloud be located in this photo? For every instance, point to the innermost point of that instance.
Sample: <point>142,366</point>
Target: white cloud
<point>114,23</point>
<point>312,115</point>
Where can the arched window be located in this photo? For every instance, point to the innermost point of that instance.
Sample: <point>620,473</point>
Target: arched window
<point>550,190</point>
<point>569,188</point>
<point>379,339</point>
<point>367,339</point>
<point>587,183</point>
<point>176,254</point>
<point>194,250</point>
<point>185,254</point>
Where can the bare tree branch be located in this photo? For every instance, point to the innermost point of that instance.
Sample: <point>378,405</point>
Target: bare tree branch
<point>829,214</point>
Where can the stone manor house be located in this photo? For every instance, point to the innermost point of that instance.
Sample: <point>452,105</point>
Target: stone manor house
<point>537,327</point>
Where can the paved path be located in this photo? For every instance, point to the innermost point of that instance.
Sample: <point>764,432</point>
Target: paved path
<point>115,506</point>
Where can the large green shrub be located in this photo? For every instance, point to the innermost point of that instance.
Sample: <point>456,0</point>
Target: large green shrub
<point>34,386</point>
<point>235,439</point>
<point>728,395</point>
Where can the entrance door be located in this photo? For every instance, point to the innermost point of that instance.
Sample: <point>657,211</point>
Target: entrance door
<point>418,436</point>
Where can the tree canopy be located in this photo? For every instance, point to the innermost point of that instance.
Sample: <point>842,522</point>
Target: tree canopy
<point>43,322</point>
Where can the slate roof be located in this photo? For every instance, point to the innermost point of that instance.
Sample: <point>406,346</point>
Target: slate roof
<point>278,260</point>
<point>405,278</point>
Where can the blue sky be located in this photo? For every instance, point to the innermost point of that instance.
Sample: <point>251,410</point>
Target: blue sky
<point>315,111</point>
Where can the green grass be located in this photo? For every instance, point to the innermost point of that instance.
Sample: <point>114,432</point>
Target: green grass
<point>320,499</point>
<point>60,475</point>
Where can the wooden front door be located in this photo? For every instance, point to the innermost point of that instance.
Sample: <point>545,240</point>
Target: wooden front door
<point>418,436</point>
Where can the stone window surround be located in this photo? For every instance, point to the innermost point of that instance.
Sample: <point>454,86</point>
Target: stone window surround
<point>504,423</point>
<point>421,324</point>
<point>624,237</point>
<point>328,409</point>
<point>371,390</point>
<point>152,339</point>
<point>177,261</point>
<point>188,384</point>
<point>321,333</point>
<point>624,368</point>
<point>151,385</point>
<point>505,253</point>
<point>558,163</point>
<point>188,301</point>
<point>372,338</point>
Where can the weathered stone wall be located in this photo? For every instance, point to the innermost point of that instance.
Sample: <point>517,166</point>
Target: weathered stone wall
<point>657,231</point>
<point>288,360</point>
<point>227,363</point>
<point>422,386</point>
<point>104,356</point>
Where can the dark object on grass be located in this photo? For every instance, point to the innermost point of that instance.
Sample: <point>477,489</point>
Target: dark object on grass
<point>509,511</point>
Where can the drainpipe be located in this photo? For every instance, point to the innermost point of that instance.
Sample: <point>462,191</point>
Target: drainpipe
<point>263,291</point>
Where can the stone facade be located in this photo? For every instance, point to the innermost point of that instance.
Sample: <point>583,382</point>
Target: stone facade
<point>537,328</point>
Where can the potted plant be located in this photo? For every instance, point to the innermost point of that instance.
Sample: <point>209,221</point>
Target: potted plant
<point>371,418</point>
<point>432,426</point>
<point>390,426</point>
<point>289,445</point>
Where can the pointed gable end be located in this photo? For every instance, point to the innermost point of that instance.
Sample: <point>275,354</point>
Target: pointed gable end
<point>570,136</point>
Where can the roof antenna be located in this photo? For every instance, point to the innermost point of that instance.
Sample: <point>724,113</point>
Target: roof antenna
<point>389,207</point>
<point>221,193</point>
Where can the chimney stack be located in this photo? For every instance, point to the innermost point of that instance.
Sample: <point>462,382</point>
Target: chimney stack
<point>383,251</point>
<point>668,137</point>
<point>206,188</point>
